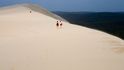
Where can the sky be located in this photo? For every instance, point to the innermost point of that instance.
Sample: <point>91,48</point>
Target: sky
<point>74,5</point>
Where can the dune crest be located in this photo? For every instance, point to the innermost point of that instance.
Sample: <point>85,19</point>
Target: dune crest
<point>33,7</point>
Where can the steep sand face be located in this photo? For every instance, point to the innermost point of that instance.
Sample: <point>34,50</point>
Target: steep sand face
<point>31,41</point>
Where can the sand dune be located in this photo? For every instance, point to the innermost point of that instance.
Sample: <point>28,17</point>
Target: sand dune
<point>34,7</point>
<point>31,41</point>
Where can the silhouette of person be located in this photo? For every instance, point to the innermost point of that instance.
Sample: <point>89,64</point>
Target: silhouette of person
<point>57,24</point>
<point>30,11</point>
<point>61,24</point>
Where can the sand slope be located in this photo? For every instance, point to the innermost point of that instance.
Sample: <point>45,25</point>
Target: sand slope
<point>31,41</point>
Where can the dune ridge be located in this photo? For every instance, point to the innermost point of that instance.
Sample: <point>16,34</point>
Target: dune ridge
<point>32,7</point>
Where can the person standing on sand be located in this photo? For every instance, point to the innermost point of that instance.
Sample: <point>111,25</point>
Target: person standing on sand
<point>30,11</point>
<point>57,24</point>
<point>61,24</point>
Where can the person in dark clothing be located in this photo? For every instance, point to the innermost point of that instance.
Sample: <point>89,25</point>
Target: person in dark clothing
<point>57,24</point>
<point>61,24</point>
<point>30,11</point>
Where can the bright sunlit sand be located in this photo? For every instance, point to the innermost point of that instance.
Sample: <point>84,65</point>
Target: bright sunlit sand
<point>32,41</point>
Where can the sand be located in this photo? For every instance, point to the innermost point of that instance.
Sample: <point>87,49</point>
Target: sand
<point>31,41</point>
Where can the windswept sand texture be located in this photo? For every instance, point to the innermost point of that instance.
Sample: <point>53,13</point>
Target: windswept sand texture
<point>31,41</point>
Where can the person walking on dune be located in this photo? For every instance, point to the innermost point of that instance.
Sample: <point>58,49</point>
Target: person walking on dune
<point>30,11</point>
<point>61,24</point>
<point>57,24</point>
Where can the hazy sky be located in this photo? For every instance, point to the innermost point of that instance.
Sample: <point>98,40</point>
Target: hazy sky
<point>74,5</point>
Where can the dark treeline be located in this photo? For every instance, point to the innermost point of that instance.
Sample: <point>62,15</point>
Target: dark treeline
<point>110,22</point>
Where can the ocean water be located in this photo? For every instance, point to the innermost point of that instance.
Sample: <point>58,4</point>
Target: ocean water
<point>110,22</point>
